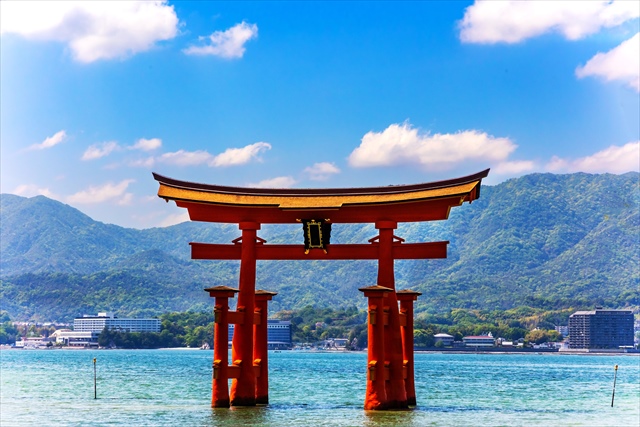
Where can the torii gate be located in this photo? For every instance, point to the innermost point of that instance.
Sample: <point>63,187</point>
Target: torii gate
<point>390,376</point>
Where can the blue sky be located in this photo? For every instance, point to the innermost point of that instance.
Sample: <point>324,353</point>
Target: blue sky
<point>96,95</point>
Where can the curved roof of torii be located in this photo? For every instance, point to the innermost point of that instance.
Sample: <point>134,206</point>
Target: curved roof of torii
<point>402,203</point>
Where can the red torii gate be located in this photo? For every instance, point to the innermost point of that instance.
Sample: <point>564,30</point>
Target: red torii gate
<point>390,377</point>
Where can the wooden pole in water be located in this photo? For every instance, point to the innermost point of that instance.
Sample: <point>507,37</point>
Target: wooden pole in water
<point>615,375</point>
<point>95,390</point>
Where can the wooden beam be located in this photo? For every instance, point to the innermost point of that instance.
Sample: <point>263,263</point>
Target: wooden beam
<point>428,250</point>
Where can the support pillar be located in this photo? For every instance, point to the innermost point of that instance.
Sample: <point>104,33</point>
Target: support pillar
<point>376,395</point>
<point>243,388</point>
<point>220,382</point>
<point>406,298</point>
<point>396,394</point>
<point>260,345</point>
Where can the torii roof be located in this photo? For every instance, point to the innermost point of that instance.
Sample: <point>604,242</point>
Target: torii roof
<point>415,202</point>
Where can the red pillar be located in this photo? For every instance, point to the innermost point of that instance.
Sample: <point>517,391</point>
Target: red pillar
<point>406,298</point>
<point>220,382</point>
<point>396,394</point>
<point>376,395</point>
<point>260,346</point>
<point>243,388</point>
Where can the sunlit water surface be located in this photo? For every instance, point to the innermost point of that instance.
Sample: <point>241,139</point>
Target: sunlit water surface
<point>173,388</point>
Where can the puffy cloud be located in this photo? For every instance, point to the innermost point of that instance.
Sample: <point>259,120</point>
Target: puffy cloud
<point>614,159</point>
<point>240,156</point>
<point>226,44</point>
<point>277,182</point>
<point>103,193</point>
<point>50,141</point>
<point>94,30</point>
<point>401,144</point>
<point>147,144</point>
<point>620,63</point>
<point>97,151</point>
<point>321,171</point>
<point>515,20</point>
<point>30,190</point>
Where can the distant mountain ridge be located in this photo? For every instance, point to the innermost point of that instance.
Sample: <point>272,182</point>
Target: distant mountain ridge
<point>543,240</point>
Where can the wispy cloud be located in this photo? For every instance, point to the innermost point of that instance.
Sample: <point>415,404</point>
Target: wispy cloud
<point>277,182</point>
<point>620,63</point>
<point>240,156</point>
<point>106,192</point>
<point>94,30</point>
<point>186,158</point>
<point>102,149</point>
<point>614,159</point>
<point>321,171</point>
<point>516,167</point>
<point>174,219</point>
<point>401,144</point>
<point>226,44</point>
<point>514,21</point>
<point>50,141</point>
<point>146,144</point>
<point>30,190</point>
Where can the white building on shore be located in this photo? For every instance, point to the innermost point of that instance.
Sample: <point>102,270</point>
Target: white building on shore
<point>109,320</point>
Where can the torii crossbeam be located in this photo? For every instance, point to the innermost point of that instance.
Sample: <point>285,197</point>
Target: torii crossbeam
<point>390,382</point>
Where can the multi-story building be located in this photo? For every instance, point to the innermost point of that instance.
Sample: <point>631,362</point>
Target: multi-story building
<point>479,340</point>
<point>601,328</point>
<point>109,320</point>
<point>278,334</point>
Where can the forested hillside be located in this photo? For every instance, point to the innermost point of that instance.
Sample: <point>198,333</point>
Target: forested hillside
<point>543,240</point>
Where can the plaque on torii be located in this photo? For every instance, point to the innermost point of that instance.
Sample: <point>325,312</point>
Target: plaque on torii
<point>390,382</point>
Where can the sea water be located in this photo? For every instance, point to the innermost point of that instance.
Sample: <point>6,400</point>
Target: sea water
<point>173,388</point>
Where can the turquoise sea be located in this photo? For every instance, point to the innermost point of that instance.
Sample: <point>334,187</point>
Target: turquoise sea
<point>173,388</point>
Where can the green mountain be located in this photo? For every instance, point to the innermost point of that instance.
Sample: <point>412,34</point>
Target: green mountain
<point>543,240</point>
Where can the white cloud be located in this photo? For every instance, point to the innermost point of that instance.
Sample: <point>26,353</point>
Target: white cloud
<point>31,190</point>
<point>226,44</point>
<point>321,171</point>
<point>97,151</point>
<point>230,157</point>
<point>103,193</point>
<point>620,63</point>
<point>186,158</point>
<point>516,20</point>
<point>404,145</point>
<point>94,30</point>
<point>514,167</point>
<point>143,163</point>
<point>51,141</point>
<point>147,144</point>
<point>240,156</point>
<point>614,159</point>
<point>277,182</point>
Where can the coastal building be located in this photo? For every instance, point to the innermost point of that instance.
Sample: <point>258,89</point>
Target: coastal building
<point>76,338</point>
<point>479,340</point>
<point>109,320</point>
<point>445,339</point>
<point>601,328</point>
<point>278,334</point>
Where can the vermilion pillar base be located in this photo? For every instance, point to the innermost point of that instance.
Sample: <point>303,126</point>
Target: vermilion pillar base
<point>260,346</point>
<point>406,298</point>
<point>377,368</point>
<point>220,383</point>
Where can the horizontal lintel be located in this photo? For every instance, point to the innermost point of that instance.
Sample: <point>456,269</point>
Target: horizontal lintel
<point>429,250</point>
